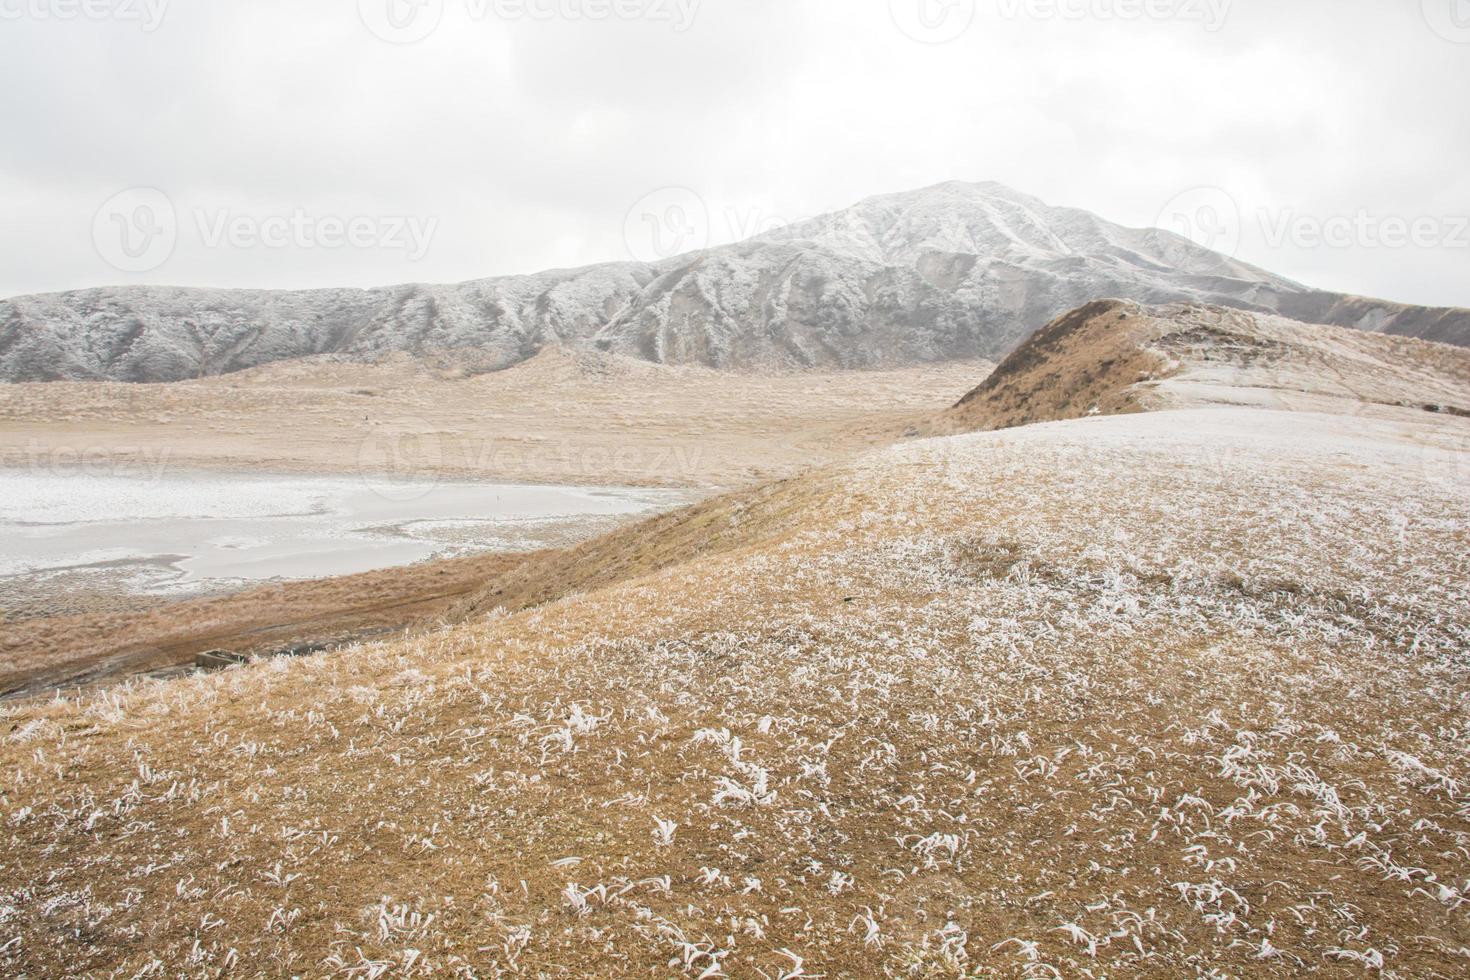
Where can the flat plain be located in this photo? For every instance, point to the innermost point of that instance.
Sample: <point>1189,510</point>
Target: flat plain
<point>564,417</point>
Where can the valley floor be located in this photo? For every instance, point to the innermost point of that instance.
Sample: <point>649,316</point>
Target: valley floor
<point>1182,693</point>
<point>564,417</point>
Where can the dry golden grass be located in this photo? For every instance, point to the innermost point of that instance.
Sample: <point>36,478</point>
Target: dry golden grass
<point>1115,357</point>
<point>41,655</point>
<point>1175,694</point>
<point>563,417</point>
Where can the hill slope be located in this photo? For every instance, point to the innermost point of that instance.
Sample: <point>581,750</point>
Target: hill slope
<point>1113,356</point>
<point>956,271</point>
<point>1045,701</point>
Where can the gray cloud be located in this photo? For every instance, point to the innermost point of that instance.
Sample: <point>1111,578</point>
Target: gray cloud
<point>528,139</point>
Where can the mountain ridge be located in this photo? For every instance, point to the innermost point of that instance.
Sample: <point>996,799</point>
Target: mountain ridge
<point>953,271</point>
<point>1113,357</point>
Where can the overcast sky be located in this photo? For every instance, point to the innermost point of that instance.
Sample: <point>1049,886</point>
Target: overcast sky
<point>484,137</point>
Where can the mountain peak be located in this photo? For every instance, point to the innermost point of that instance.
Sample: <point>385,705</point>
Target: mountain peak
<point>958,270</point>
<point>999,224</point>
<point>951,192</point>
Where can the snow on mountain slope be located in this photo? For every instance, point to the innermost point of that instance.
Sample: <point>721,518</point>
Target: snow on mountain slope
<point>1004,225</point>
<point>957,270</point>
<point>953,271</point>
<point>165,334</point>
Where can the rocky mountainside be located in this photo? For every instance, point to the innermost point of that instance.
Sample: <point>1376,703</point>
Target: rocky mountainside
<point>148,333</point>
<point>953,271</point>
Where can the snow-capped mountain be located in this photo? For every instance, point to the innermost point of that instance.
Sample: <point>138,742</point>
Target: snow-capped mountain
<point>148,333</point>
<point>953,271</point>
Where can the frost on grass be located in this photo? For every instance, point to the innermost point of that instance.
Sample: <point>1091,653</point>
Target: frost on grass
<point>1074,701</point>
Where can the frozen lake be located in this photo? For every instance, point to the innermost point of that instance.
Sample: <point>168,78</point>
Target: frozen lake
<point>181,533</point>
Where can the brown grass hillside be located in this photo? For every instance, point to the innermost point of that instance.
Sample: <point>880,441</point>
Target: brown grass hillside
<point>1170,694</point>
<point>1114,357</point>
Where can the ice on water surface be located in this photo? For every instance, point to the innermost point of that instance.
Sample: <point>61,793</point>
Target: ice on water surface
<point>219,527</point>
